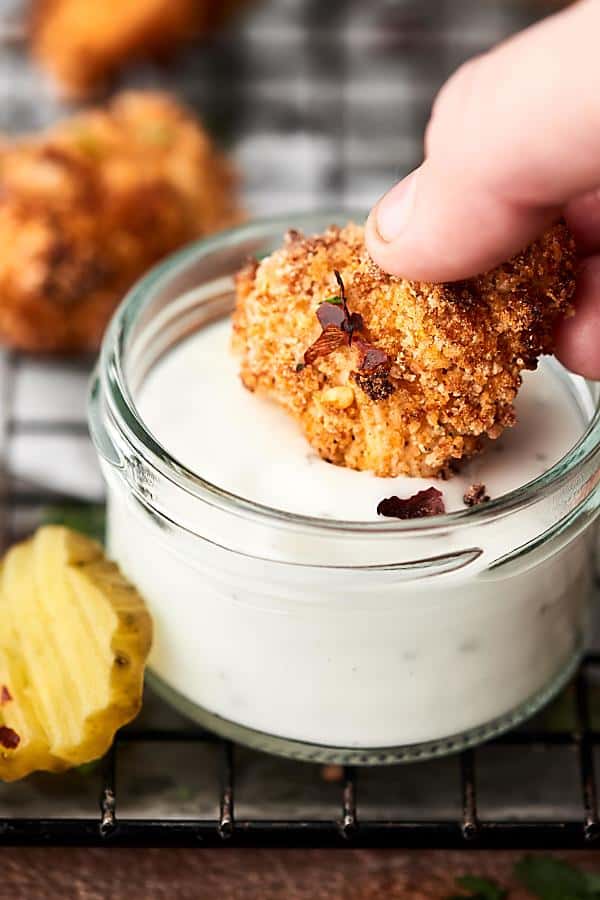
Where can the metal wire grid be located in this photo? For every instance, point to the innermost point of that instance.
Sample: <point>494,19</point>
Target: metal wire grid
<point>350,828</point>
<point>341,77</point>
<point>321,104</point>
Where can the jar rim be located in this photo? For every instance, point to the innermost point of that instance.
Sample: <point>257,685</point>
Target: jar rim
<point>114,385</point>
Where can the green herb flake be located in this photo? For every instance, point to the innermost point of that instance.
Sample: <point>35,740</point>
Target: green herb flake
<point>88,143</point>
<point>336,300</point>
<point>592,879</point>
<point>183,794</point>
<point>157,133</point>
<point>478,888</point>
<point>89,768</point>
<point>89,518</point>
<point>554,879</point>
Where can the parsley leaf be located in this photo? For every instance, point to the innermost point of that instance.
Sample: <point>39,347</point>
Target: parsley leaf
<point>592,880</point>
<point>544,877</point>
<point>336,299</point>
<point>88,768</point>
<point>88,518</point>
<point>553,879</point>
<point>479,889</point>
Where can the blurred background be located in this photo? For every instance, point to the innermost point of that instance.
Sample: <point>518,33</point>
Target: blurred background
<point>320,103</point>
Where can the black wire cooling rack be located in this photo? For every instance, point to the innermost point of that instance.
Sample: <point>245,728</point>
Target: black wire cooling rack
<point>348,829</point>
<point>22,507</point>
<point>317,79</point>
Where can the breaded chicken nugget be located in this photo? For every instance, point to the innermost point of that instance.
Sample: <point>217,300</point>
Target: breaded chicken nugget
<point>85,42</point>
<point>390,375</point>
<point>86,208</point>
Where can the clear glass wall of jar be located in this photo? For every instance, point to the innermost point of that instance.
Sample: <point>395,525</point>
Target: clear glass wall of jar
<point>325,640</point>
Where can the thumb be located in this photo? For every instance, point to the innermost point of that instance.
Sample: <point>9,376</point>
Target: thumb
<point>514,135</point>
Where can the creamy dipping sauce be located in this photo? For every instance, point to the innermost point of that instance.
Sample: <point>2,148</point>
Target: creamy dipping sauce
<point>343,641</point>
<point>251,447</point>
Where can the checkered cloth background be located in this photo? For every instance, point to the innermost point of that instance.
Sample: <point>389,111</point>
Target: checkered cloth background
<point>320,103</point>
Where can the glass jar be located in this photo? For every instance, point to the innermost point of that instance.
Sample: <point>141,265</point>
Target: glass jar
<point>329,640</point>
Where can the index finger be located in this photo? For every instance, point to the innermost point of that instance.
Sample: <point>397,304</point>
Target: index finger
<point>513,136</point>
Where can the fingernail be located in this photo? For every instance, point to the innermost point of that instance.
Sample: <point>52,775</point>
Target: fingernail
<point>395,208</point>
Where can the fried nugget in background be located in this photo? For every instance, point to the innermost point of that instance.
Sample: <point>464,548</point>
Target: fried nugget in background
<point>454,351</point>
<point>83,43</point>
<point>87,207</point>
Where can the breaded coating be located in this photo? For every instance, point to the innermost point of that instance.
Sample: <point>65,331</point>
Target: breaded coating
<point>453,352</point>
<point>88,207</point>
<point>83,43</point>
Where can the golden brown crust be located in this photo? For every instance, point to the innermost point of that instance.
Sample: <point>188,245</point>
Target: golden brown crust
<point>456,350</point>
<point>83,43</point>
<point>86,208</point>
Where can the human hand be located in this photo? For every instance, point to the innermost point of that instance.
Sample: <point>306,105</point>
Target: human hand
<point>512,144</point>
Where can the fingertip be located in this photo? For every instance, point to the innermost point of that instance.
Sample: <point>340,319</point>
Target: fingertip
<point>387,224</point>
<point>578,337</point>
<point>583,218</point>
<point>412,232</point>
<point>380,251</point>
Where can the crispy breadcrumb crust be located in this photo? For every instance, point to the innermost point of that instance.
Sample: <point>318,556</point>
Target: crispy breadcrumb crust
<point>87,207</point>
<point>84,43</point>
<point>456,349</point>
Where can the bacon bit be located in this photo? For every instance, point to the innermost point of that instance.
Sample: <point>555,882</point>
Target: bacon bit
<point>292,235</point>
<point>475,495</point>
<point>5,695</point>
<point>377,386</point>
<point>429,502</point>
<point>339,327</point>
<point>353,324</point>
<point>9,739</point>
<point>372,358</point>
<point>450,469</point>
<point>332,773</point>
<point>331,314</point>
<point>330,339</point>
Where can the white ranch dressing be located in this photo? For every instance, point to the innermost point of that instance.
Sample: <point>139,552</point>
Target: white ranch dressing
<point>321,655</point>
<point>196,406</point>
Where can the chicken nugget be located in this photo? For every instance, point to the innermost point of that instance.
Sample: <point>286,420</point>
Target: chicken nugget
<point>89,206</point>
<point>389,375</point>
<point>83,43</point>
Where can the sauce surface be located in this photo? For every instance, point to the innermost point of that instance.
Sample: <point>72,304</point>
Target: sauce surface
<point>196,407</point>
